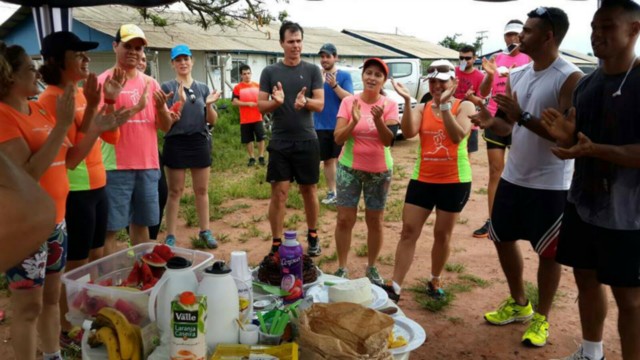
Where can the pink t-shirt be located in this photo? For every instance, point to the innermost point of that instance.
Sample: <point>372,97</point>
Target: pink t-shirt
<point>500,81</point>
<point>466,81</point>
<point>137,148</point>
<point>363,150</point>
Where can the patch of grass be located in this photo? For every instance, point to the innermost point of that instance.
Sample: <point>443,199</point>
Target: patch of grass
<point>294,200</point>
<point>4,284</point>
<point>454,267</point>
<point>258,219</point>
<point>458,250</point>
<point>455,320</point>
<point>219,212</point>
<point>360,236</point>
<point>393,210</point>
<point>223,238</point>
<point>361,250</point>
<point>292,221</point>
<point>462,221</point>
<point>481,191</point>
<point>197,243</point>
<point>475,280</point>
<point>327,259</point>
<point>429,223</point>
<point>188,210</point>
<point>399,171</point>
<point>240,224</point>
<point>122,235</point>
<point>431,304</point>
<point>386,259</point>
<point>397,187</point>
<point>325,244</point>
<point>457,288</point>
<point>531,293</point>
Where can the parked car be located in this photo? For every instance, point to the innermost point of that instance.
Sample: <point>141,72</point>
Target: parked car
<point>408,72</point>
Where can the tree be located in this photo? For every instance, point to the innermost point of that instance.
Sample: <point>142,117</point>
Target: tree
<point>451,42</point>
<point>216,12</point>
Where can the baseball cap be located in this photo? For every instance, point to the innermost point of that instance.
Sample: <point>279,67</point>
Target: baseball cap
<point>441,70</point>
<point>178,50</point>
<point>58,42</point>
<point>128,32</point>
<point>378,61</point>
<point>329,49</point>
<point>513,28</point>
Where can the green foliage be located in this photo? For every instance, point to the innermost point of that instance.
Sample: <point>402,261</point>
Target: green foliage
<point>393,210</point>
<point>362,250</point>
<point>475,280</point>
<point>327,259</point>
<point>197,242</point>
<point>481,191</point>
<point>452,42</point>
<point>453,267</point>
<point>386,259</point>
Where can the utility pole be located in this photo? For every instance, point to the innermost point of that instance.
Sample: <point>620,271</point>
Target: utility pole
<point>481,36</point>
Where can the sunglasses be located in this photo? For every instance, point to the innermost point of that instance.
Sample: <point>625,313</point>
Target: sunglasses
<point>466,58</point>
<point>192,96</point>
<point>544,13</point>
<point>440,69</point>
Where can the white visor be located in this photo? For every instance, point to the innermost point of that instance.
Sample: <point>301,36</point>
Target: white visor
<point>513,28</point>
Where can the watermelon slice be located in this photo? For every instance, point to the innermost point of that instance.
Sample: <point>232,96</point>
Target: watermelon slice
<point>154,259</point>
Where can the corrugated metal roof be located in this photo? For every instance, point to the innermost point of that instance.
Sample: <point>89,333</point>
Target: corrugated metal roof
<point>243,38</point>
<point>579,58</point>
<point>407,45</point>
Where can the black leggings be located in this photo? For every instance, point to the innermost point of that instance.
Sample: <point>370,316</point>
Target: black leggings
<point>86,222</point>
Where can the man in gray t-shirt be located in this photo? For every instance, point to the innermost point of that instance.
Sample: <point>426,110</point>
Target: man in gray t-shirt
<point>291,90</point>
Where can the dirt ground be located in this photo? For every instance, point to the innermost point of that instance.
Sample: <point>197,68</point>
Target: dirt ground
<point>457,332</point>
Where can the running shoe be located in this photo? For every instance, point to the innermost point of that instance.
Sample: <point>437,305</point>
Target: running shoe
<point>483,232</point>
<point>342,272</point>
<point>251,162</point>
<point>314,245</point>
<point>261,161</point>
<point>373,275</point>
<point>509,312</point>
<point>331,198</point>
<point>170,240</point>
<point>579,355</point>
<point>207,237</point>
<point>391,292</point>
<point>537,332</point>
<point>434,289</point>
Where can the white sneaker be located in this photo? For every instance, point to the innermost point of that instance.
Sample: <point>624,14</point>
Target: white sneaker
<point>578,355</point>
<point>330,199</point>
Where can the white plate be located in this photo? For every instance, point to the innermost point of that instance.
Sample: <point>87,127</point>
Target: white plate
<point>305,286</point>
<point>320,294</point>
<point>411,331</point>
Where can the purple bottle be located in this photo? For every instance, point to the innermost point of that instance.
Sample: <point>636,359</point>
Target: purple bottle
<point>291,267</point>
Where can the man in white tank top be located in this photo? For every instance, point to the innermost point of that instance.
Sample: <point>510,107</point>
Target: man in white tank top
<point>531,195</point>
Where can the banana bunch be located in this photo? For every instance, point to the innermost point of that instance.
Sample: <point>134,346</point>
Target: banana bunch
<point>122,339</point>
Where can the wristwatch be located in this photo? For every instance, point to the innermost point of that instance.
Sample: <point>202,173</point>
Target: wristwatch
<point>525,117</point>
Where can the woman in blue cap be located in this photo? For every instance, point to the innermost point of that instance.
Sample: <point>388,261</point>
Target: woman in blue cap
<point>187,145</point>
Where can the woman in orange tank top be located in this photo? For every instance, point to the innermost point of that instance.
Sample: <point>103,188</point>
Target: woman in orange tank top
<point>442,175</point>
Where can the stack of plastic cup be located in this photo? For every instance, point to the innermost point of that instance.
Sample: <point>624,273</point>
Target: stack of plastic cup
<point>242,275</point>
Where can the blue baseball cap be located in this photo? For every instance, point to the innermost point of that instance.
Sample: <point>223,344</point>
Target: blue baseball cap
<point>178,50</point>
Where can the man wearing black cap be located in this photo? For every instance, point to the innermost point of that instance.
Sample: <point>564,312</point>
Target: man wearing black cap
<point>292,90</point>
<point>337,86</point>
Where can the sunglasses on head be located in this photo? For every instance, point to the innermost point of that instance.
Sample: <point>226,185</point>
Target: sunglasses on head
<point>466,58</point>
<point>544,13</point>
<point>440,69</point>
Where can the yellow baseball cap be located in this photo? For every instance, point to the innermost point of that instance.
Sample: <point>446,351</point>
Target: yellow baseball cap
<point>128,32</point>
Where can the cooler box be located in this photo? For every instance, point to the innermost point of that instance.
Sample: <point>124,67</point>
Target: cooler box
<point>85,299</point>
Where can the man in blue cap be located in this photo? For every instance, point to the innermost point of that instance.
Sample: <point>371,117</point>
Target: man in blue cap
<point>337,86</point>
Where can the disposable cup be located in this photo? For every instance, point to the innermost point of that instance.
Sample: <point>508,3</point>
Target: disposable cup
<point>268,339</point>
<point>239,266</point>
<point>249,336</point>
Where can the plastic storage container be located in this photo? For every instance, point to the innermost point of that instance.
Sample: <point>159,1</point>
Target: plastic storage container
<point>85,296</point>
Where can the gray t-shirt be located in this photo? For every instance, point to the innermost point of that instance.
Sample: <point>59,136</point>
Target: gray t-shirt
<point>193,119</point>
<point>605,194</point>
<point>289,123</point>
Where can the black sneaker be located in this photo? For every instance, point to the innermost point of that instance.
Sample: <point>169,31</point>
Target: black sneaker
<point>483,232</point>
<point>252,162</point>
<point>275,246</point>
<point>261,161</point>
<point>391,292</point>
<point>314,245</point>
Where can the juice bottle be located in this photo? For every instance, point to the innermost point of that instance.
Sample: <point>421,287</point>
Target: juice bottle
<point>188,318</point>
<point>291,267</point>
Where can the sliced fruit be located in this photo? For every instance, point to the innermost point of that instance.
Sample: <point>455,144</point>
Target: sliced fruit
<point>154,259</point>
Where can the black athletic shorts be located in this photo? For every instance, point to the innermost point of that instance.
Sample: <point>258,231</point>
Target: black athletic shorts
<point>613,254</point>
<point>496,142</point>
<point>446,197</point>
<point>291,160</point>
<point>86,218</point>
<point>252,132</point>
<point>472,141</point>
<point>187,151</point>
<point>328,147</point>
<point>521,213</point>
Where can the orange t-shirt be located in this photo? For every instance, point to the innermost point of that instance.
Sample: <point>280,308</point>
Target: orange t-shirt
<point>34,129</point>
<point>90,174</point>
<point>440,160</point>
<point>248,92</point>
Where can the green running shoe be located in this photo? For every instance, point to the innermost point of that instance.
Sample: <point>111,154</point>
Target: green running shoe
<point>509,312</point>
<point>538,331</point>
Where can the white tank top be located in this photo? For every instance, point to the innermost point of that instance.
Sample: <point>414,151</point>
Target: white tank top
<point>530,162</point>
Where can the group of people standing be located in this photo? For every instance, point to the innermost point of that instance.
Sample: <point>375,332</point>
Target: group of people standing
<point>94,151</point>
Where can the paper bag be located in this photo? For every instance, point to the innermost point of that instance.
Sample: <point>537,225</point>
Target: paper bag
<point>344,331</point>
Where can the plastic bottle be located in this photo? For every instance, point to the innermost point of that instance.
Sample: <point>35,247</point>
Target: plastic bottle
<point>291,267</point>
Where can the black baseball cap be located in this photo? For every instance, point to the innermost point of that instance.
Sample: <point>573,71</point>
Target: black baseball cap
<point>329,49</point>
<point>58,42</point>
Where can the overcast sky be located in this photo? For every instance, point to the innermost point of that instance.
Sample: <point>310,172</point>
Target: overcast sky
<point>428,19</point>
